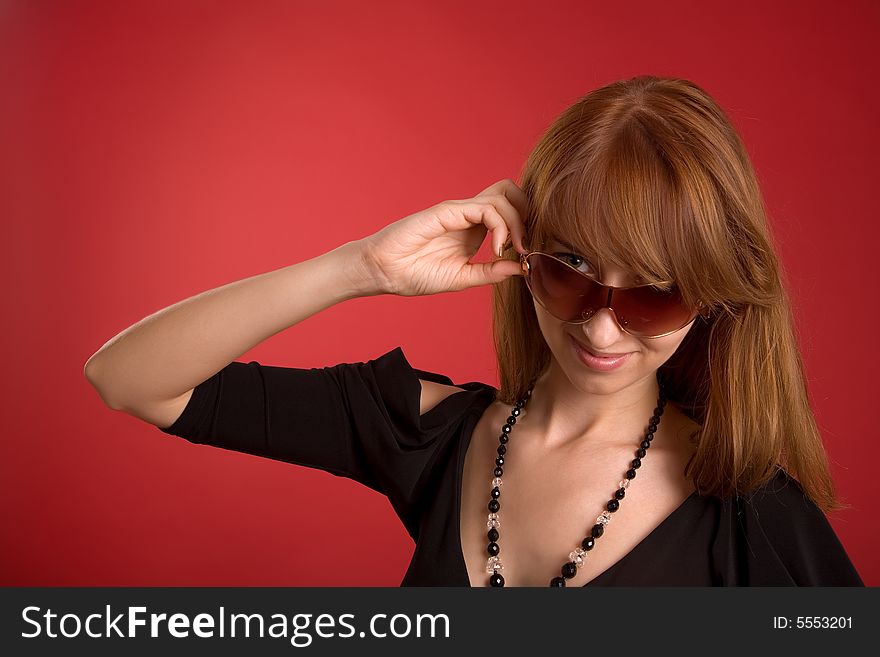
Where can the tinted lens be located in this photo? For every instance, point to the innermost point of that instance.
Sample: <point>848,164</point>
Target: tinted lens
<point>649,311</point>
<point>565,293</point>
<point>573,297</point>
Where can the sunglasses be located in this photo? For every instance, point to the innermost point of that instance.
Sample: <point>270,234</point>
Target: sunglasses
<point>644,311</point>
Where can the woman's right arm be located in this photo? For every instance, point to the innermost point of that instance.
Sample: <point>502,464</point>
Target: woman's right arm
<point>150,369</point>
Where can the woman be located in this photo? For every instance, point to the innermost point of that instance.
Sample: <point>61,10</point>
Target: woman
<point>652,425</point>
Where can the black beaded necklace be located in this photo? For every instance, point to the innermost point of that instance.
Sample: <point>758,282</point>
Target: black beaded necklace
<point>576,556</point>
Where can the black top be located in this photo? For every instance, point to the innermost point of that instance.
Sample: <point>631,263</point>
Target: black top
<point>361,421</point>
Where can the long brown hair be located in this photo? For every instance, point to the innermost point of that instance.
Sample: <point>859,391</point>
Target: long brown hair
<point>649,173</point>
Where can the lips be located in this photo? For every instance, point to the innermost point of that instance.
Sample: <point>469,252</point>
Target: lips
<point>597,363</point>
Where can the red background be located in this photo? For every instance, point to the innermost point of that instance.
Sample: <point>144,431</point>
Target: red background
<point>154,150</point>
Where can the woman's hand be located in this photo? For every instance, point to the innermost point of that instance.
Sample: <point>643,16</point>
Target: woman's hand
<point>428,252</point>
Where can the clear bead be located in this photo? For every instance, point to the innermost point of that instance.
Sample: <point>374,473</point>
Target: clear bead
<point>496,482</point>
<point>493,564</point>
<point>493,522</point>
<point>624,483</point>
<point>577,556</point>
<point>605,518</point>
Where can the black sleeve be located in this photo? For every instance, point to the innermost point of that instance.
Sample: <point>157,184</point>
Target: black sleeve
<point>789,541</point>
<point>356,420</point>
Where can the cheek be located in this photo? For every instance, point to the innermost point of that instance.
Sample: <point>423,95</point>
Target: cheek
<point>548,323</point>
<point>661,349</point>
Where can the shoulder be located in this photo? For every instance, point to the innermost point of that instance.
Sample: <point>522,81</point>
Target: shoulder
<point>780,488</point>
<point>433,393</point>
<point>781,505</point>
<point>788,539</point>
<point>397,378</point>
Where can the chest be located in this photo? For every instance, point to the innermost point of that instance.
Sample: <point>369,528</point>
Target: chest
<point>551,498</point>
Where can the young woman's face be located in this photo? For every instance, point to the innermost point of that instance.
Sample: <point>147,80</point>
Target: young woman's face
<point>602,335</point>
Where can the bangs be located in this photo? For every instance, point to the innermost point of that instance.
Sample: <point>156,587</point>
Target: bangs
<point>621,208</point>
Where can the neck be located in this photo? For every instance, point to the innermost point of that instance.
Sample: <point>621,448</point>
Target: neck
<point>565,414</point>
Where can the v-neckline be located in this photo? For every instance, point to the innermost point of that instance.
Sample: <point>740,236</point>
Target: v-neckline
<point>464,445</point>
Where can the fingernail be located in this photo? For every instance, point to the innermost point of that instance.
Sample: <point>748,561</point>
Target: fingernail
<point>500,251</point>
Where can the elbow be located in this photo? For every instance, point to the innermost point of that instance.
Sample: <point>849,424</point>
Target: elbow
<point>92,373</point>
<point>89,369</point>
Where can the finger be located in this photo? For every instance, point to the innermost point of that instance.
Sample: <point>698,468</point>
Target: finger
<point>518,203</point>
<point>513,220</point>
<point>488,273</point>
<point>477,212</point>
<point>500,232</point>
<point>491,190</point>
<point>521,201</point>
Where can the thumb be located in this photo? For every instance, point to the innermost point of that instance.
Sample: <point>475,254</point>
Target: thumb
<point>490,273</point>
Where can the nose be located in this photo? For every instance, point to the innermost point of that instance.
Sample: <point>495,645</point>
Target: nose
<point>602,329</point>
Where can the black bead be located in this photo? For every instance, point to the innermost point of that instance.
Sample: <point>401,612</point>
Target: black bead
<point>569,569</point>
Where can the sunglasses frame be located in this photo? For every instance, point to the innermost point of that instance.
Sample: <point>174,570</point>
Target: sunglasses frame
<point>611,289</point>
